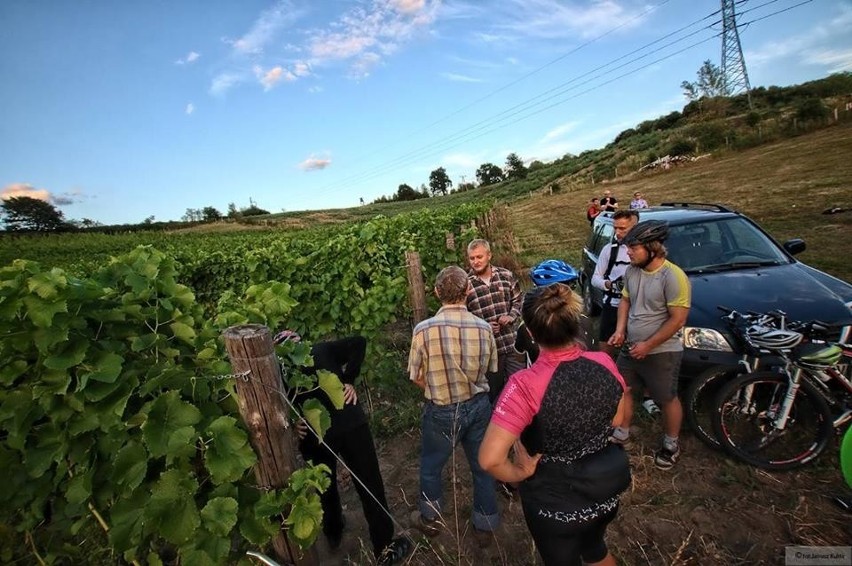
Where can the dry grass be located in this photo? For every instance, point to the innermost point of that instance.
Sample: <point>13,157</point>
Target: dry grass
<point>783,186</point>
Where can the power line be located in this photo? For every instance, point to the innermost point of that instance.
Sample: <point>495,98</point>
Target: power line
<point>428,149</point>
<point>498,121</point>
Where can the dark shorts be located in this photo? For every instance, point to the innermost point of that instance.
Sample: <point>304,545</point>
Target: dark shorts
<point>609,318</point>
<point>657,374</point>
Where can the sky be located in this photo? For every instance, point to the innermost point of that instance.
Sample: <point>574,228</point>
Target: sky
<point>118,111</point>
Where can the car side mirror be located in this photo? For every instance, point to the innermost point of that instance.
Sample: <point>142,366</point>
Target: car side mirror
<point>795,246</point>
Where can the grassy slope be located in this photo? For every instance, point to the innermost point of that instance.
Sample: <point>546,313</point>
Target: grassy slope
<point>784,186</point>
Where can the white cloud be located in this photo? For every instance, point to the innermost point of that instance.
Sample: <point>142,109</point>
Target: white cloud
<point>815,46</point>
<point>460,78</point>
<point>191,57</point>
<point>190,108</point>
<point>836,60</point>
<point>550,19</point>
<point>14,190</point>
<point>313,163</point>
<point>265,28</point>
<point>315,89</point>
<point>559,131</point>
<point>364,35</point>
<point>223,82</point>
<point>301,69</point>
<point>273,76</point>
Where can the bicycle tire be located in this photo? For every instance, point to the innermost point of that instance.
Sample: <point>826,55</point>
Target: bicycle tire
<point>699,402</point>
<point>747,434</point>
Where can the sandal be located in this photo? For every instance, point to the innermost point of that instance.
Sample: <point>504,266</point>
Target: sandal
<point>395,552</point>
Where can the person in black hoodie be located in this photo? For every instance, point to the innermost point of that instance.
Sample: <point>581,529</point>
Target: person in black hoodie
<point>349,437</point>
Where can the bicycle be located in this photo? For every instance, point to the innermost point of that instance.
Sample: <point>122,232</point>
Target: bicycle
<point>783,418</point>
<point>699,399</point>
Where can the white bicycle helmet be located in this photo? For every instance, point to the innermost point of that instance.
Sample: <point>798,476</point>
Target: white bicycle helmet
<point>772,338</point>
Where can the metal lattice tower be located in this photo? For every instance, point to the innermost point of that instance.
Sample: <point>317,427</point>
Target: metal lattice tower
<point>734,75</point>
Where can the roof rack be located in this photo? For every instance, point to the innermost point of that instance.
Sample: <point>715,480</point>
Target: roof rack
<point>716,207</point>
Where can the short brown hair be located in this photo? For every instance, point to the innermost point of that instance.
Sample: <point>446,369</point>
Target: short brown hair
<point>552,315</point>
<point>625,214</point>
<point>451,285</point>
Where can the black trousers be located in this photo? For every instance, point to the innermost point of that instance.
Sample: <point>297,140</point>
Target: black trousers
<point>355,447</point>
<point>562,545</point>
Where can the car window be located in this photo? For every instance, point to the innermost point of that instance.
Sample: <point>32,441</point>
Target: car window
<point>723,243</point>
<point>602,236</point>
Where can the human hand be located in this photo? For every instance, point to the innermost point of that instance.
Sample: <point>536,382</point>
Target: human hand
<point>616,340</point>
<point>525,463</point>
<point>639,350</point>
<point>505,320</point>
<point>350,396</point>
<point>495,326</point>
<point>301,429</point>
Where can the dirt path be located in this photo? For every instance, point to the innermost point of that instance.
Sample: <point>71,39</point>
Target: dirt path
<point>708,510</point>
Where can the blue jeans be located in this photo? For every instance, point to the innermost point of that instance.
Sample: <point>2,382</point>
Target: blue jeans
<point>443,427</point>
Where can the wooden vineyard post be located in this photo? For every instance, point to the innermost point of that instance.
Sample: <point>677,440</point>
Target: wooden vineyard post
<point>417,289</point>
<point>264,412</point>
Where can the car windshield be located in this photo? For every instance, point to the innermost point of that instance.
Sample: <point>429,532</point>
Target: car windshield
<point>722,245</point>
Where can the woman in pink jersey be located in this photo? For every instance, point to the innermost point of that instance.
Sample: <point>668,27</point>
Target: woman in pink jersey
<point>558,415</point>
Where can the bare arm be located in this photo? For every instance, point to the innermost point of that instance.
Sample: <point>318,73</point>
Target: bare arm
<point>494,456</point>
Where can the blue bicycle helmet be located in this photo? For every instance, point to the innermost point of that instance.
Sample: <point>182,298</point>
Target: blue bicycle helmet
<point>554,271</point>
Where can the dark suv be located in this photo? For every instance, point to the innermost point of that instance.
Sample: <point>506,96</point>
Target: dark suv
<point>730,261</point>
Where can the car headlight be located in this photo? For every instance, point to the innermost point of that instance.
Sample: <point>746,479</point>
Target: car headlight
<point>705,339</point>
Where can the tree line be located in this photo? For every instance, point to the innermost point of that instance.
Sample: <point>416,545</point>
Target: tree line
<point>440,183</point>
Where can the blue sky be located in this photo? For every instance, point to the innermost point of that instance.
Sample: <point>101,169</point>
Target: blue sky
<point>116,111</point>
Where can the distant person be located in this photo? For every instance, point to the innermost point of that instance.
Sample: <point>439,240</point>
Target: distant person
<point>349,436</point>
<point>450,355</point>
<point>609,203</point>
<point>593,210</point>
<point>638,202</point>
<point>654,306</point>
<point>496,298</point>
<point>557,415</point>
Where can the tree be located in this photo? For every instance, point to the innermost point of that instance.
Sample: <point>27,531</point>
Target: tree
<point>515,168</point>
<point>406,192</point>
<point>232,211</point>
<point>27,213</point>
<point>253,210</point>
<point>439,181</point>
<point>210,214</point>
<point>710,83</point>
<point>489,174</point>
<point>811,109</point>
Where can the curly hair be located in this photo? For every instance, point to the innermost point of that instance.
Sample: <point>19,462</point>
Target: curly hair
<point>451,285</point>
<point>552,315</point>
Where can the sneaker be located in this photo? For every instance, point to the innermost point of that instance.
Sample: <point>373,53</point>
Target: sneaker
<point>623,442</point>
<point>429,527</point>
<point>665,459</point>
<point>650,407</point>
<point>395,552</point>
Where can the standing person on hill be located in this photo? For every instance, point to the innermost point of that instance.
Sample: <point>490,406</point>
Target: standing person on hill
<point>654,305</point>
<point>593,210</point>
<point>638,202</point>
<point>496,298</point>
<point>561,411</point>
<point>348,436</point>
<point>450,354</point>
<point>608,277</point>
<point>609,203</point>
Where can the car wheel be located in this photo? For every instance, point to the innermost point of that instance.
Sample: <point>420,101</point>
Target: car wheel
<point>588,304</point>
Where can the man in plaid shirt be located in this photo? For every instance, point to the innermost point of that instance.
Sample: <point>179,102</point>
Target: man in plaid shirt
<point>450,355</point>
<point>496,298</point>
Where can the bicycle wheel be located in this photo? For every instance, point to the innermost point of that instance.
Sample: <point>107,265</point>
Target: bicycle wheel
<point>744,422</point>
<point>698,402</point>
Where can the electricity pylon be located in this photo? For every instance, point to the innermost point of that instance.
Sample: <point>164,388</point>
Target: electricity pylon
<point>734,75</point>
